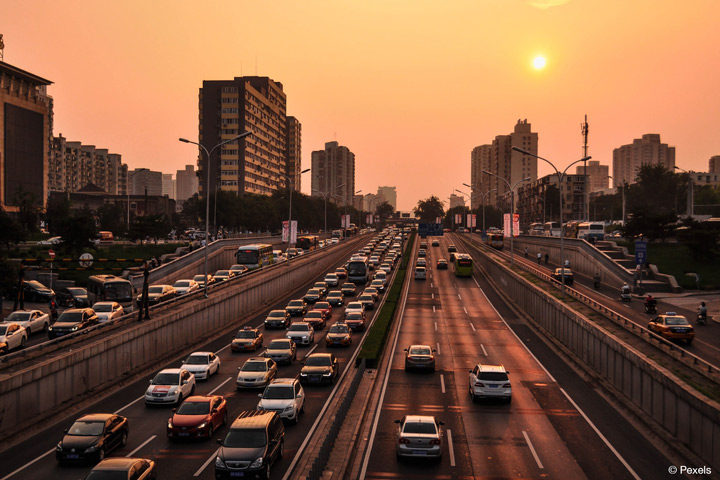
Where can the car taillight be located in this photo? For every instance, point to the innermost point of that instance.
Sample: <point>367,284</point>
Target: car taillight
<point>506,385</point>
<point>404,440</point>
<point>435,442</point>
<point>479,384</point>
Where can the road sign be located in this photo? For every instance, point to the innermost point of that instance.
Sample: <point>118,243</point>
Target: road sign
<point>51,253</point>
<point>86,260</point>
<point>430,229</point>
<point>640,252</point>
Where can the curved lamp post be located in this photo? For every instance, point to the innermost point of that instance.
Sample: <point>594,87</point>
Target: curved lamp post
<point>130,175</point>
<point>512,208</point>
<point>290,212</point>
<point>482,194</point>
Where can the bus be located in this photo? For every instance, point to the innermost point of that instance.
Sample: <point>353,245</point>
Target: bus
<point>255,256</point>
<point>571,229</point>
<point>552,229</point>
<point>109,288</point>
<point>357,270</point>
<point>308,242</point>
<point>463,265</point>
<point>591,230</point>
<point>495,240</point>
<point>536,229</point>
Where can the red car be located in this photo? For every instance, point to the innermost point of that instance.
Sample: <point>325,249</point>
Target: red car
<point>324,307</point>
<point>197,417</point>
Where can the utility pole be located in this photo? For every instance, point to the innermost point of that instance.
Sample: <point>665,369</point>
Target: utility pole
<point>584,128</point>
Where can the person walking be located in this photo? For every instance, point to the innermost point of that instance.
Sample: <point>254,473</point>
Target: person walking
<point>547,257</point>
<point>526,252</point>
<point>539,257</point>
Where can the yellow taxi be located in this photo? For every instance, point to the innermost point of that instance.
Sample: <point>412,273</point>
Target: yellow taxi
<point>247,339</point>
<point>339,334</point>
<point>672,326</point>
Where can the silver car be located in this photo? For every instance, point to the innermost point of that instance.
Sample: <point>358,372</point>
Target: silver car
<point>33,320</point>
<point>419,436</point>
<point>282,350</point>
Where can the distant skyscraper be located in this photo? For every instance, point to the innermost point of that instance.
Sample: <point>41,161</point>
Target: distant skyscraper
<point>73,166</point>
<point>294,162</point>
<point>714,164</point>
<point>390,195</point>
<point>598,175</point>
<point>168,185</point>
<point>479,161</point>
<point>146,182</point>
<point>186,184</point>
<point>647,150</point>
<point>456,201</point>
<point>333,173</point>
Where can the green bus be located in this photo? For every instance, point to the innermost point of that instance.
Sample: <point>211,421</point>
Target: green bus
<point>463,265</point>
<point>255,256</point>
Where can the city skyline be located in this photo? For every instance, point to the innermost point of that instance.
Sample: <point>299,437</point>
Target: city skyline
<point>410,87</point>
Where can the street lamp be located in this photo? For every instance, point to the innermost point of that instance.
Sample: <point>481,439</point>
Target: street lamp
<point>562,233</point>
<point>325,194</point>
<point>207,193</point>
<point>359,209</point>
<point>691,192</point>
<point>624,186</point>
<point>290,211</point>
<point>482,194</point>
<point>130,175</point>
<point>512,208</point>
<point>346,205</point>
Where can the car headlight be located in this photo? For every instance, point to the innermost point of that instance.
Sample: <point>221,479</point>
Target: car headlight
<point>257,463</point>
<point>219,462</point>
<point>50,328</point>
<point>58,447</point>
<point>302,374</point>
<point>172,390</point>
<point>289,409</point>
<point>304,337</point>
<point>202,425</point>
<point>327,374</point>
<point>74,328</point>
<point>170,424</point>
<point>91,449</point>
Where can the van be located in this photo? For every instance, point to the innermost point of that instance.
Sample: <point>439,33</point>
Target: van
<point>105,238</point>
<point>255,440</point>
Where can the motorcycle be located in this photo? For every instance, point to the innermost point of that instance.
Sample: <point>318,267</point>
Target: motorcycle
<point>702,318</point>
<point>651,306</point>
<point>625,294</point>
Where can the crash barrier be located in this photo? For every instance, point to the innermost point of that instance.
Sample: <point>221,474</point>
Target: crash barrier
<point>33,392</point>
<point>683,414</point>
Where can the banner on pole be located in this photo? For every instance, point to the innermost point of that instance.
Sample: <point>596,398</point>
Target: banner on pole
<point>293,232</point>
<point>285,231</point>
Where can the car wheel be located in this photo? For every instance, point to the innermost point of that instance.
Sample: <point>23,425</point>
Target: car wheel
<point>472,394</point>
<point>123,439</point>
<point>295,420</point>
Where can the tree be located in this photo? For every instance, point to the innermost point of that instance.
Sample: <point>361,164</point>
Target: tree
<point>10,231</point>
<point>701,239</point>
<point>429,209</point>
<point>111,217</point>
<point>29,211</point>
<point>384,211</point>
<point>78,230</point>
<point>57,213</point>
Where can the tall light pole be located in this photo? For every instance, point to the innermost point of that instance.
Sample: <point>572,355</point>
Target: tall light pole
<point>482,194</point>
<point>325,195</point>
<point>130,175</point>
<point>290,211</point>
<point>359,210</point>
<point>691,192</point>
<point>346,205</point>
<point>560,180</point>
<point>512,208</point>
<point>208,154</point>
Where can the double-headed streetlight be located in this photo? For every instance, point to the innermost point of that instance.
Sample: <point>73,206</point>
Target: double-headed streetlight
<point>346,205</point>
<point>130,175</point>
<point>465,194</point>
<point>207,192</point>
<point>512,208</point>
<point>560,176</point>
<point>290,211</point>
<point>483,195</point>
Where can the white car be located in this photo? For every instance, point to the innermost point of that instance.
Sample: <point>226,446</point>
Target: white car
<point>490,381</point>
<point>107,311</point>
<point>302,333</point>
<point>381,275</point>
<point>185,286</point>
<point>284,396</point>
<point>50,241</point>
<point>419,436</point>
<point>202,364</point>
<point>420,273</point>
<point>12,335</point>
<point>331,279</point>
<point>171,385</point>
<point>355,307</point>
<point>33,320</point>
<point>256,372</point>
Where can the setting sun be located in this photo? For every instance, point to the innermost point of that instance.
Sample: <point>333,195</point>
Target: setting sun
<point>539,62</point>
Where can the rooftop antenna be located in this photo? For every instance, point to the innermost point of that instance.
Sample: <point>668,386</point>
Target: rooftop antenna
<point>584,129</point>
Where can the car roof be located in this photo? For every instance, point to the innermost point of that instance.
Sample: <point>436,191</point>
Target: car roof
<point>420,419</point>
<point>253,419</point>
<point>284,381</point>
<point>320,354</point>
<point>420,346</point>
<point>201,398</point>
<point>117,463</point>
<point>171,370</point>
<point>199,353</point>
<point>95,417</point>
<point>491,368</point>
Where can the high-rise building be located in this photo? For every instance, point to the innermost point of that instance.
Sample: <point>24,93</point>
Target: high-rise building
<point>647,150</point>
<point>598,175</point>
<point>371,202</point>
<point>73,166</point>
<point>714,164</point>
<point>168,185</point>
<point>479,161</point>
<point>186,184</point>
<point>294,162</point>
<point>146,182</point>
<point>254,164</point>
<point>26,116</point>
<point>333,173</point>
<point>389,194</point>
<point>456,201</point>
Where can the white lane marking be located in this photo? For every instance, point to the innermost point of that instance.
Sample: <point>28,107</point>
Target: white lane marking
<point>442,382</point>
<point>459,297</point>
<point>27,464</point>
<point>473,327</point>
<point>466,312</point>
<point>436,326</point>
<point>260,326</point>
<point>311,350</point>
<point>432,295</point>
<point>218,387</point>
<point>223,348</point>
<point>483,349</point>
<point>126,406</point>
<point>141,446</point>
<point>476,282</point>
<point>532,449</point>
<point>602,437</point>
<point>431,285</point>
<point>438,348</point>
<point>433,308</point>
<point>450,448</point>
<point>207,462</point>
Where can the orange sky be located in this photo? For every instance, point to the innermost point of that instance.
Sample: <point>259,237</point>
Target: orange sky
<point>409,86</point>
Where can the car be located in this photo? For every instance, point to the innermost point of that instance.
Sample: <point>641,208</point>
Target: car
<point>381,275</point>
<point>185,286</point>
<point>322,286</point>
<point>419,436</point>
<point>331,279</point>
<point>341,272</point>
<point>291,252</point>
<point>170,386</point>
<point>324,307</point>
<point>51,241</point>
<point>296,308</point>
<point>558,273</point>
<point>35,291</point>
<point>247,339</point>
<point>123,467</point>
<point>302,333</point>
<point>277,319</point>
<point>372,291</point>
<point>421,262</point>
<point>423,245</point>
<point>12,336</point>
<point>223,275</point>
<point>256,372</point>
<point>74,297</point>
<point>312,295</point>
<point>420,357</point>
<point>349,289</point>
<point>239,269</point>
<point>452,248</point>
<point>422,253</point>
<point>319,368</point>
<point>300,251</point>
<point>490,381</point>
<point>420,273</point>
<point>672,326</point>
<point>436,243</point>
<point>202,364</point>
<point>32,320</point>
<point>355,306</point>
<point>336,298</point>
<point>442,264</point>
<point>338,334</point>
<point>284,396</point>
<point>379,284</point>
<point>281,350</point>
<point>107,311</point>
<point>200,279</point>
<point>91,437</point>
<point>255,440</point>
<point>316,318</point>
<point>158,294</point>
<point>367,300</point>
<point>198,417</point>
<point>355,320</point>
<point>72,320</point>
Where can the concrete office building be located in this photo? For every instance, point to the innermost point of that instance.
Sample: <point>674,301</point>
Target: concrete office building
<point>186,184</point>
<point>26,125</point>
<point>294,161</point>
<point>598,175</point>
<point>714,164</point>
<point>168,185</point>
<point>456,201</point>
<point>146,182</point>
<point>333,173</point>
<point>627,159</point>
<point>389,194</point>
<point>479,161</point>
<point>534,205</point>
<point>73,165</point>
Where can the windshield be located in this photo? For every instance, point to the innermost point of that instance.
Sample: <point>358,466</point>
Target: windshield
<point>166,379</point>
<point>276,314</point>
<point>279,345</point>
<point>245,438</point>
<point>155,290</point>
<point>313,291</point>
<point>676,321</point>
<point>247,257</point>
<point>18,317</point>
<point>194,408</point>
<point>87,428</point>
<point>353,316</point>
<point>222,273</point>
<point>99,307</point>
<point>36,284</point>
<point>313,314</point>
<point>254,367</point>
<point>245,334</point>
<point>197,360</point>
<point>420,351</point>
<point>318,361</point>
<point>295,303</point>
<point>199,278</point>
<point>72,317</point>
<point>285,392</point>
<point>182,283</point>
<point>3,329</point>
<point>335,294</point>
<point>118,291</point>
<point>322,306</point>
<point>77,291</point>
<point>366,297</point>
<point>298,327</point>
<point>493,376</point>
<point>427,428</point>
<point>338,329</point>
<point>356,268</point>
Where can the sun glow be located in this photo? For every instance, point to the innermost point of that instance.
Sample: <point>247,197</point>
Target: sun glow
<point>539,62</point>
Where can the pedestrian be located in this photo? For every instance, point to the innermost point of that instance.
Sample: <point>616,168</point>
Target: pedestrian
<point>547,257</point>
<point>567,263</point>
<point>539,257</point>
<point>526,252</point>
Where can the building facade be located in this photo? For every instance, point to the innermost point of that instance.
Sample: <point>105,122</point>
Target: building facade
<point>26,125</point>
<point>333,173</point>
<point>456,201</point>
<point>535,204</point>
<point>294,153</point>
<point>168,185</point>
<point>479,161</point>
<point>714,164</point>
<point>598,175</point>
<point>647,150</point>
<point>186,184</point>
<point>73,165</point>
<point>146,182</point>
<point>389,194</point>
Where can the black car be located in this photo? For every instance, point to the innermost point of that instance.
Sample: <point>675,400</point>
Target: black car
<point>442,264</point>
<point>367,300</point>
<point>296,308</point>
<point>349,289</point>
<point>319,368</point>
<point>158,294</point>
<point>139,468</point>
<point>92,437</point>
<point>255,440</point>
<point>72,320</point>
<point>313,295</point>
<point>35,291</point>
<point>278,319</point>
<point>73,297</point>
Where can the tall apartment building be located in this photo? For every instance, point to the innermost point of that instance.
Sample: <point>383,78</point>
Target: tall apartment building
<point>294,161</point>
<point>26,125</point>
<point>598,175</point>
<point>73,166</point>
<point>254,164</point>
<point>714,164</point>
<point>534,205</point>
<point>186,184</point>
<point>456,201</point>
<point>146,182</point>
<point>168,185</point>
<point>479,161</point>
<point>333,173</point>
<point>371,202</point>
<point>389,194</point>
<point>627,159</point>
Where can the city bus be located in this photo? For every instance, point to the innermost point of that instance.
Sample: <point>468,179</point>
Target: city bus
<point>591,230</point>
<point>109,288</point>
<point>552,229</point>
<point>308,242</point>
<point>357,270</point>
<point>537,229</point>
<point>463,265</point>
<point>495,240</point>
<point>255,256</point>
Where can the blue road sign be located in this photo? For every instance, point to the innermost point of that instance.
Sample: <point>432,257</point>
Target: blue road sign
<point>430,230</point>
<point>640,252</point>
